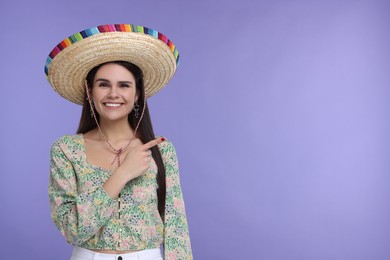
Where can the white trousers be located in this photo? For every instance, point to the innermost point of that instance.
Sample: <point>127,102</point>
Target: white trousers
<point>80,253</point>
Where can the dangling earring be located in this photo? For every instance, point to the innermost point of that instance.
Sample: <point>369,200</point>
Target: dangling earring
<point>136,109</point>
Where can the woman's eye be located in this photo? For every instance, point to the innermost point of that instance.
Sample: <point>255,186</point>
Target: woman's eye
<point>124,86</point>
<point>103,84</point>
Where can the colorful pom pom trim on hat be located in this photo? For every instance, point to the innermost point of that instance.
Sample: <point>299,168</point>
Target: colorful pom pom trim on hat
<point>110,28</point>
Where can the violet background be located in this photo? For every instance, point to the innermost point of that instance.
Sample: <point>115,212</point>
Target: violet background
<point>279,112</point>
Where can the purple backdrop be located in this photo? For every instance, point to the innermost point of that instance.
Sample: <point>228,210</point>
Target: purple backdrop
<point>279,113</point>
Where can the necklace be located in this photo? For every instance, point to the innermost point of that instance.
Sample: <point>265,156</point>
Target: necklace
<point>118,152</point>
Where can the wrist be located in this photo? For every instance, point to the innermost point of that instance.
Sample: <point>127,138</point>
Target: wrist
<point>121,176</point>
<point>115,183</point>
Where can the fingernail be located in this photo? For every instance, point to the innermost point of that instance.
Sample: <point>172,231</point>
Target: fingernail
<point>162,139</point>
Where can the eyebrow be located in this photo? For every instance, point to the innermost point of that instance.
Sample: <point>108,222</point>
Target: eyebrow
<point>106,80</point>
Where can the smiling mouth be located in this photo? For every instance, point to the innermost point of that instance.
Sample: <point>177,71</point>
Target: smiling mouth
<point>112,104</point>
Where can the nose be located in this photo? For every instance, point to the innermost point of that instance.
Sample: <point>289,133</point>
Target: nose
<point>113,92</point>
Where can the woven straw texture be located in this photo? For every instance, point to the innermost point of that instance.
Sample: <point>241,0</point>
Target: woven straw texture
<point>67,70</point>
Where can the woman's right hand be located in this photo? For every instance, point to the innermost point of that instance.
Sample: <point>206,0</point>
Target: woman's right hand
<point>138,158</point>
<point>135,163</point>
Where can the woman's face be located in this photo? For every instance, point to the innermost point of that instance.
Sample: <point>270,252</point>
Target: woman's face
<point>114,92</point>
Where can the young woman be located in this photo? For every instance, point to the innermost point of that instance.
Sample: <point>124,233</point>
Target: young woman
<point>114,187</point>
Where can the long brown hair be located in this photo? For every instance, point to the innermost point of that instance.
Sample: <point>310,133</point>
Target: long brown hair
<point>145,129</point>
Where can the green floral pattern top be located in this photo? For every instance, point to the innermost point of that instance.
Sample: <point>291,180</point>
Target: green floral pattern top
<point>88,217</point>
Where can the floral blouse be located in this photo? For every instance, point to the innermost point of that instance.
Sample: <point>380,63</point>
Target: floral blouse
<point>88,217</point>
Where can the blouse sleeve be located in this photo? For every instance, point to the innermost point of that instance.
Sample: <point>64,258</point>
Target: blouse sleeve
<point>177,244</point>
<point>78,216</point>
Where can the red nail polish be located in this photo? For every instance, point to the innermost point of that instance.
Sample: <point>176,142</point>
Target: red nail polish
<point>162,139</point>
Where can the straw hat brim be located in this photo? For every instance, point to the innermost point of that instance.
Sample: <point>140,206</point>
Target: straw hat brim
<point>67,71</point>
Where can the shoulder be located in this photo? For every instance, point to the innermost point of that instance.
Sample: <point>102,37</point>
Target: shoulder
<point>166,145</point>
<point>167,149</point>
<point>67,142</point>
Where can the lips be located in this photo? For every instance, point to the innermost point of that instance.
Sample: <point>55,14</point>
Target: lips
<point>112,104</point>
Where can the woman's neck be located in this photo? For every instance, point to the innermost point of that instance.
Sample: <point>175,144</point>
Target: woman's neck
<point>116,131</point>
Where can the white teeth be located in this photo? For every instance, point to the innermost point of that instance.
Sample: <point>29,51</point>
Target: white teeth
<point>113,104</point>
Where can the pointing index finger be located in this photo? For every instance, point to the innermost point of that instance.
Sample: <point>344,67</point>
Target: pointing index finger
<point>154,143</point>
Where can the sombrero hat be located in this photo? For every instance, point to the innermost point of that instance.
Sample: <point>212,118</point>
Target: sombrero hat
<point>70,61</point>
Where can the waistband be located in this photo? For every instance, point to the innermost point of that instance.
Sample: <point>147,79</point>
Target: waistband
<point>82,253</point>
